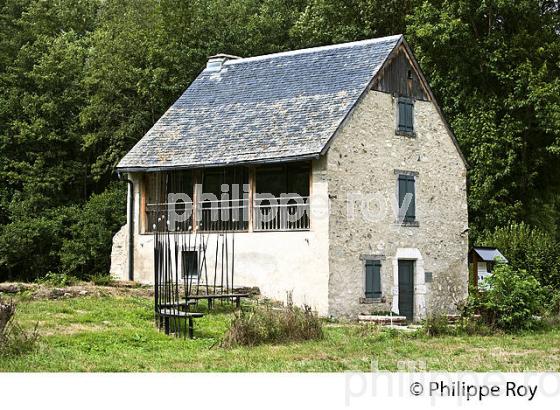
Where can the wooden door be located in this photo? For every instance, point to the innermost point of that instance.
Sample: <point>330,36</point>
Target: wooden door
<point>406,289</point>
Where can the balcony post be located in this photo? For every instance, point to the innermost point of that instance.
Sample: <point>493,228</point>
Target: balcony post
<point>197,179</point>
<point>250,210</point>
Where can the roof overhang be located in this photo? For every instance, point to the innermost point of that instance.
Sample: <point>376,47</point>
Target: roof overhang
<point>266,161</point>
<point>489,254</point>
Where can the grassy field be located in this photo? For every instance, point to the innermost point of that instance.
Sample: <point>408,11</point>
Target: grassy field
<point>117,333</point>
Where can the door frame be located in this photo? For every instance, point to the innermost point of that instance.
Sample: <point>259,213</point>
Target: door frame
<point>420,287</point>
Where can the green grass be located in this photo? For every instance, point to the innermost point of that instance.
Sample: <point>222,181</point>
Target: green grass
<point>118,334</point>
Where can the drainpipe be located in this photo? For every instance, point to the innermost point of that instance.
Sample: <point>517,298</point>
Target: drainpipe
<point>130,226</point>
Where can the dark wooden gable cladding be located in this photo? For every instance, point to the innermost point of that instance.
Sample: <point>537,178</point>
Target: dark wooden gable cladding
<point>398,76</point>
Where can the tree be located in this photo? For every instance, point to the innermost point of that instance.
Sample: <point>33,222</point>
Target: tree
<point>494,66</point>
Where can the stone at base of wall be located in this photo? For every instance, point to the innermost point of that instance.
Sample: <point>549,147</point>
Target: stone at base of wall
<point>119,261</point>
<point>385,319</point>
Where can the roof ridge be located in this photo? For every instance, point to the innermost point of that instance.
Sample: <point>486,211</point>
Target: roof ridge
<point>313,49</point>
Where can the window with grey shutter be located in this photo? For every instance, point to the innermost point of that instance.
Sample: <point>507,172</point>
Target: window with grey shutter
<point>405,121</point>
<point>406,186</point>
<point>373,279</point>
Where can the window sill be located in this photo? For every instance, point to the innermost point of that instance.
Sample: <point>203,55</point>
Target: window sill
<point>372,301</point>
<point>409,134</point>
<point>410,224</point>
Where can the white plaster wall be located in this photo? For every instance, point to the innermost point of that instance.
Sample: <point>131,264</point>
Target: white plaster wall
<point>276,262</point>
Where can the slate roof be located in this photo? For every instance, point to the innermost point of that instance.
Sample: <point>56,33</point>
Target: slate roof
<point>489,254</point>
<point>274,107</point>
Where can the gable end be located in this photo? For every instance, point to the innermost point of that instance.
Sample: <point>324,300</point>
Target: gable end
<point>398,76</point>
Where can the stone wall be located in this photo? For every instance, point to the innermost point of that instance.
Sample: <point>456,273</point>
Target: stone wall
<point>363,158</point>
<point>119,262</point>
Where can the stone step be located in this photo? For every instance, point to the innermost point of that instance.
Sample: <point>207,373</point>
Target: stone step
<point>383,319</point>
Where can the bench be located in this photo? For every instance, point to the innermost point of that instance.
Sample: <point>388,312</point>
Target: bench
<point>174,312</point>
<point>180,304</point>
<point>210,298</point>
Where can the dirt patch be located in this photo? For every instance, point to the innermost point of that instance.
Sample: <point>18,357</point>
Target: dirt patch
<point>42,291</point>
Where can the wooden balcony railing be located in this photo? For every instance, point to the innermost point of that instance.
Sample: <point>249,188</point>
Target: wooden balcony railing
<point>157,217</point>
<point>224,215</point>
<point>282,214</point>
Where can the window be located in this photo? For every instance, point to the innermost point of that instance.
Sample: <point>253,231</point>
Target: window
<point>405,116</point>
<point>230,213</point>
<point>290,183</point>
<point>189,264</point>
<point>157,187</point>
<point>373,279</point>
<point>407,198</point>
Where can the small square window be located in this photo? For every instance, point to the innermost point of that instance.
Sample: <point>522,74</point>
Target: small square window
<point>428,276</point>
<point>405,116</point>
<point>189,262</point>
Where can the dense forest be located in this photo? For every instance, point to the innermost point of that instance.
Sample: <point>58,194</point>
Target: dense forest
<point>82,80</point>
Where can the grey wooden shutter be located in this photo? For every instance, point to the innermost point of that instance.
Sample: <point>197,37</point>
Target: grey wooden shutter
<point>411,211</point>
<point>406,121</point>
<point>373,279</point>
<point>402,113</point>
<point>406,186</point>
<point>402,192</point>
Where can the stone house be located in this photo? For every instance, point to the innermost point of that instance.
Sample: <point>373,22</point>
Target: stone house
<point>353,137</point>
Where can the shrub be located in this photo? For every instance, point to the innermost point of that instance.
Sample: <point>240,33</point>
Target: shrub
<point>14,339</point>
<point>513,300</point>
<point>101,279</point>
<point>530,249</point>
<point>265,324</point>
<point>30,246</point>
<point>437,325</point>
<point>551,317</point>
<point>57,279</point>
<point>87,252</point>
<point>73,240</point>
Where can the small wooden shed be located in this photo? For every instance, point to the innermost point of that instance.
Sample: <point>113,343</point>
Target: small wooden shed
<point>482,260</point>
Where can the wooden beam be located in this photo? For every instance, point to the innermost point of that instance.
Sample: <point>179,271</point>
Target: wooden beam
<point>197,176</point>
<point>252,185</point>
<point>143,215</point>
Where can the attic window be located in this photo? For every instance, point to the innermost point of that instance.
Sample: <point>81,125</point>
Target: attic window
<point>405,116</point>
<point>409,74</point>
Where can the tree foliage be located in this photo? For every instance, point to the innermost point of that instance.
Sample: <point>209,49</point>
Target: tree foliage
<point>495,67</point>
<point>82,80</point>
<point>530,249</point>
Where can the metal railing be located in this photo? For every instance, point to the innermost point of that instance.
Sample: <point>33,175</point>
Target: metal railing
<point>281,214</point>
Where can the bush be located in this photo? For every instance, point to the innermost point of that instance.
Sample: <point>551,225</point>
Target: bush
<point>87,252</point>
<point>57,279</point>
<point>73,240</point>
<point>265,324</point>
<point>530,249</point>
<point>551,317</point>
<point>101,280</point>
<point>437,325</point>
<point>513,300</point>
<point>14,340</point>
<point>30,246</point>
